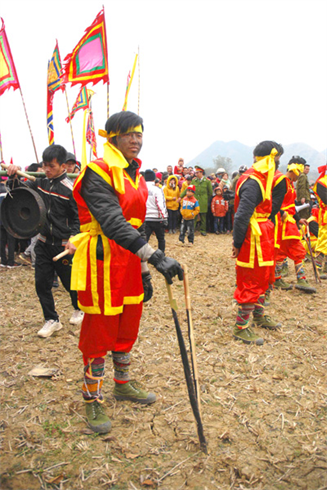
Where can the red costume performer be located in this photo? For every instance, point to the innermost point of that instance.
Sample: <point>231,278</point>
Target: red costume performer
<point>109,267</point>
<point>253,245</point>
<point>289,236</point>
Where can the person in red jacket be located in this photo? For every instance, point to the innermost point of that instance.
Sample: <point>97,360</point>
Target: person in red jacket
<point>288,232</point>
<point>110,269</point>
<point>219,208</point>
<point>253,246</point>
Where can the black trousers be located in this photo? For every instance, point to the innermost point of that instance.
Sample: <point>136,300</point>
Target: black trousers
<point>172,219</point>
<point>187,226</point>
<point>44,273</point>
<point>159,228</point>
<point>7,239</point>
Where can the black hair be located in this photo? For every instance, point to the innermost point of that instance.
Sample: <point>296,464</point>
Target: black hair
<point>34,166</point>
<point>264,148</point>
<point>297,159</point>
<point>55,151</point>
<point>122,121</point>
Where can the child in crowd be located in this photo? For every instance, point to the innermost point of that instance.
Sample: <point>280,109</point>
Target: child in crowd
<point>189,210</point>
<point>171,192</point>
<point>219,208</point>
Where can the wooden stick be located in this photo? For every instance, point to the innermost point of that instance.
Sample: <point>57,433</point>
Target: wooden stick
<point>315,270</point>
<point>62,254</point>
<point>191,336</point>
<point>187,372</point>
<point>28,123</point>
<point>19,172</point>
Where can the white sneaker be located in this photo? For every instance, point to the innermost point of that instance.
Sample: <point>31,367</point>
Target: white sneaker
<point>77,317</point>
<point>49,328</point>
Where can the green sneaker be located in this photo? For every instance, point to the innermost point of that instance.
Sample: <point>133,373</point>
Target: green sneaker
<point>284,271</point>
<point>267,298</point>
<point>281,284</point>
<point>265,321</point>
<point>247,336</point>
<point>96,417</point>
<point>132,391</point>
<point>303,285</point>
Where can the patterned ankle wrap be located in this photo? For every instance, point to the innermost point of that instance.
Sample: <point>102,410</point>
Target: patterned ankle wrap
<point>93,379</point>
<point>122,361</point>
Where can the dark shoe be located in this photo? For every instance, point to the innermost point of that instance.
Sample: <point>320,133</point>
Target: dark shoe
<point>303,285</point>
<point>217,232</point>
<point>132,391</point>
<point>203,233</point>
<point>14,265</point>
<point>281,284</point>
<point>96,417</point>
<point>247,336</point>
<point>265,321</point>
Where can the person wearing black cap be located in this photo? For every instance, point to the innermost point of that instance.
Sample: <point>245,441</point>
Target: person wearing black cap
<point>156,211</point>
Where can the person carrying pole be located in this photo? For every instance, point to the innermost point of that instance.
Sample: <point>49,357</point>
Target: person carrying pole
<point>110,269</point>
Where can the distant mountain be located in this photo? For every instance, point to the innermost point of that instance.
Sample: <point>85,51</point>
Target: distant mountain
<point>242,155</point>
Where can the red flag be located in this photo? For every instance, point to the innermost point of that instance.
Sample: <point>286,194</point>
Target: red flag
<point>88,62</point>
<point>8,74</point>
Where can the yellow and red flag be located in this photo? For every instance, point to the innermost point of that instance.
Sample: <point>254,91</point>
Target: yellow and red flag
<point>82,102</point>
<point>8,74</point>
<point>129,83</point>
<point>54,84</point>
<point>90,134</point>
<point>88,62</point>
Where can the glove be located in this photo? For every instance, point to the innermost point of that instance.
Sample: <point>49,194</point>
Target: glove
<point>147,286</point>
<point>167,266</point>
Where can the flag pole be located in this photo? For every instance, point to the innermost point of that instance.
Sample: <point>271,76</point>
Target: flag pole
<point>1,153</point>
<point>70,121</point>
<point>108,70</point>
<point>28,123</point>
<point>139,81</point>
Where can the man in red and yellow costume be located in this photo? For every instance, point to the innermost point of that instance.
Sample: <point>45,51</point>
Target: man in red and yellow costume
<point>110,269</point>
<point>253,244</point>
<point>289,236</point>
<point>320,190</point>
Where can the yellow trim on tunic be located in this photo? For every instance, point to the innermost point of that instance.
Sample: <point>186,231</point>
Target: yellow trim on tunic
<point>290,220</point>
<point>255,242</point>
<point>89,237</point>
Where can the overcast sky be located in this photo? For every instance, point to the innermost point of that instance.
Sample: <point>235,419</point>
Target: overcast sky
<point>244,70</point>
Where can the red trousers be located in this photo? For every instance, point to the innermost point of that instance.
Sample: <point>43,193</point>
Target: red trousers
<point>292,249</point>
<point>251,283</point>
<point>103,333</point>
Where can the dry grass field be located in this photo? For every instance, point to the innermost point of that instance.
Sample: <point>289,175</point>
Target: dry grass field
<point>264,408</point>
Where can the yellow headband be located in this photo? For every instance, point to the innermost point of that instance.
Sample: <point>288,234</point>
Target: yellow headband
<point>264,165</point>
<point>104,134</point>
<point>297,168</point>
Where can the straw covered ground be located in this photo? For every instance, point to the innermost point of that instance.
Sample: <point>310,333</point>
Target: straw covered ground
<point>264,408</point>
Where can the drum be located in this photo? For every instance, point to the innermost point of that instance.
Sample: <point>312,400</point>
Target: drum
<point>23,212</point>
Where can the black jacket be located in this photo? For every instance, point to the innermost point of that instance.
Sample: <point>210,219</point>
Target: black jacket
<point>104,205</point>
<point>250,197</point>
<point>62,215</point>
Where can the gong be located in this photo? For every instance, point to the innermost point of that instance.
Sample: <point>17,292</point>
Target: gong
<point>23,212</point>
